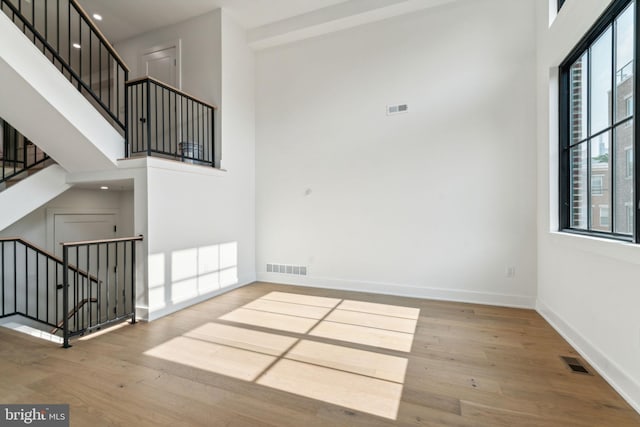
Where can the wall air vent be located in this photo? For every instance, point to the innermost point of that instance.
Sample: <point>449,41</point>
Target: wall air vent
<point>575,365</point>
<point>287,269</point>
<point>397,109</point>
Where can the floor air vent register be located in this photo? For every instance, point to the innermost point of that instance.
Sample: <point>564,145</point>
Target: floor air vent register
<point>575,365</point>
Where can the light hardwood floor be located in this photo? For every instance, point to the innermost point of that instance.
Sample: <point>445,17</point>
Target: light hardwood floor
<point>267,355</point>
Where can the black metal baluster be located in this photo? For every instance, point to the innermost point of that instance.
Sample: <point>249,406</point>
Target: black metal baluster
<point>147,87</point>
<point>215,160</point>
<point>164,148</point>
<point>80,52</point>
<point>2,276</point>
<point>155,102</point>
<point>26,282</point>
<point>65,296</point>
<point>88,285</point>
<point>124,277</point>
<point>37,286</point>
<point>108,281</point>
<point>15,277</point>
<point>133,281</point>
<point>48,285</point>
<point>90,60</point>
<point>175,118</point>
<point>77,289</point>
<point>115,291</point>
<point>99,289</point>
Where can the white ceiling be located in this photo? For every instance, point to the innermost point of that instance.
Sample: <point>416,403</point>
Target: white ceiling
<point>126,18</point>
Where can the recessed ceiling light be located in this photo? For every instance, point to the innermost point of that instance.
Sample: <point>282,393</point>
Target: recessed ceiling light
<point>104,187</point>
<point>97,17</point>
<point>77,45</point>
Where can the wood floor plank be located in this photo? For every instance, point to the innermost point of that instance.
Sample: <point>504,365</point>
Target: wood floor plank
<point>465,365</point>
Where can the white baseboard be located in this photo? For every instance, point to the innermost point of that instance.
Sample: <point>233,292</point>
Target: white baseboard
<point>145,314</point>
<point>624,384</point>
<point>504,300</point>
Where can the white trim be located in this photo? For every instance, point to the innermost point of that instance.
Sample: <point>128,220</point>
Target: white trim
<point>457,295</point>
<point>150,315</point>
<point>623,383</point>
<point>52,212</point>
<point>177,43</point>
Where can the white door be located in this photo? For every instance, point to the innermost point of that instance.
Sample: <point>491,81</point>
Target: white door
<point>162,65</point>
<point>81,227</point>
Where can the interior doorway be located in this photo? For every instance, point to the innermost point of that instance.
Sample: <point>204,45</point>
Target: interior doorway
<point>162,63</point>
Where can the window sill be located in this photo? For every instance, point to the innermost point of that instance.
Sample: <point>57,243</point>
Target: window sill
<point>616,249</point>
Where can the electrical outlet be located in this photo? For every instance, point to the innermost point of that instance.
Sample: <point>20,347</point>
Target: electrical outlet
<point>510,272</point>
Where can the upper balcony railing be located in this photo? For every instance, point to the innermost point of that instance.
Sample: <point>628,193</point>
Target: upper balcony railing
<point>166,122</point>
<point>72,42</point>
<point>18,155</point>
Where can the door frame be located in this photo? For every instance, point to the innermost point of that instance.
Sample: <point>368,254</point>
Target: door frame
<point>177,43</point>
<point>51,218</point>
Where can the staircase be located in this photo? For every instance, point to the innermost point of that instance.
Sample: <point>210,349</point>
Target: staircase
<point>21,159</point>
<point>92,286</point>
<point>66,89</point>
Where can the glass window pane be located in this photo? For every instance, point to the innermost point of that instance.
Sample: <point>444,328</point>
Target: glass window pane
<point>624,63</point>
<point>601,59</point>
<point>579,200</point>
<point>623,197</point>
<point>600,193</point>
<point>578,99</point>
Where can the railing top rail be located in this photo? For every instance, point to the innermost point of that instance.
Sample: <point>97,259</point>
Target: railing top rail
<point>171,88</point>
<point>95,242</point>
<point>31,246</point>
<point>102,37</point>
<point>47,254</point>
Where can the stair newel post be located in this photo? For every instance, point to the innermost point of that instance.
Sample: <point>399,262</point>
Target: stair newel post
<point>65,296</point>
<point>147,86</point>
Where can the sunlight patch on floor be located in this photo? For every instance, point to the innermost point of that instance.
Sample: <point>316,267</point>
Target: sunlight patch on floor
<point>220,359</point>
<point>281,322</point>
<point>353,391</point>
<point>245,339</point>
<point>362,362</point>
<point>355,378</point>
<point>364,335</point>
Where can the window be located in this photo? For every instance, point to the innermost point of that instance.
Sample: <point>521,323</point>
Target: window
<point>597,128</point>
<point>597,185</point>
<point>604,216</point>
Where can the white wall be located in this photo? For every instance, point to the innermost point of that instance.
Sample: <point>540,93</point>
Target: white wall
<point>436,203</point>
<point>588,288</point>
<point>33,227</point>
<point>201,221</point>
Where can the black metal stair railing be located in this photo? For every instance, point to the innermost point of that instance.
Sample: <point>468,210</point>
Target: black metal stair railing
<point>18,155</point>
<point>31,280</point>
<point>113,263</point>
<point>92,286</point>
<point>66,35</point>
<point>164,121</point>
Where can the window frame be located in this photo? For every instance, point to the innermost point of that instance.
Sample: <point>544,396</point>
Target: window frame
<point>560,3</point>
<point>604,22</point>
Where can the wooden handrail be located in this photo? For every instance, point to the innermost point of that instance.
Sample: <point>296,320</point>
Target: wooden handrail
<point>171,88</point>
<point>95,242</point>
<point>50,255</point>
